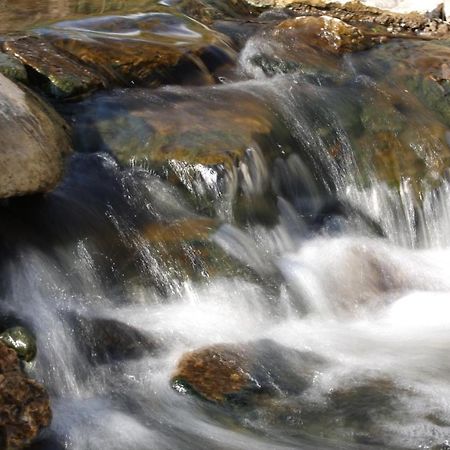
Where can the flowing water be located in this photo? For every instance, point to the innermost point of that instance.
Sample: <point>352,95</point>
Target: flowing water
<point>304,240</point>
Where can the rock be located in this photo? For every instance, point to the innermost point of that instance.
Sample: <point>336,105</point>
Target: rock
<point>310,45</point>
<point>240,374</point>
<point>20,340</point>
<point>60,75</point>
<point>12,68</point>
<point>79,56</point>
<point>324,33</point>
<point>24,403</point>
<point>202,140</point>
<point>33,142</point>
<point>353,12</point>
<point>185,230</point>
<point>172,126</point>
<point>104,340</point>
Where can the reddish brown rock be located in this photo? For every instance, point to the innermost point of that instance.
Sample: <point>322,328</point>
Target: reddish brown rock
<point>24,403</point>
<point>245,373</point>
<point>324,33</point>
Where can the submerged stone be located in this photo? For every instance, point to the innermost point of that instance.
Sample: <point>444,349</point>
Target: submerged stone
<point>210,127</point>
<point>104,340</point>
<point>20,340</point>
<point>33,142</point>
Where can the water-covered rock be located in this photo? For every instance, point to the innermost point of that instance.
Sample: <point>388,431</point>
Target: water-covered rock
<point>33,142</point>
<point>207,140</point>
<point>21,341</point>
<point>79,56</point>
<point>209,127</point>
<point>104,340</point>
<point>240,374</point>
<point>325,33</point>
<point>24,403</point>
<point>310,45</point>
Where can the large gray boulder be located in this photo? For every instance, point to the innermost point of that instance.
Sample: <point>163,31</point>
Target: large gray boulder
<point>33,142</point>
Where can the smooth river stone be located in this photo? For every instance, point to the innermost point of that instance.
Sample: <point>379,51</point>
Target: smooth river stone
<point>33,142</point>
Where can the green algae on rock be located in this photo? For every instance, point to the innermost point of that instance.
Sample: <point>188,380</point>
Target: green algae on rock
<point>12,68</point>
<point>60,75</point>
<point>21,341</point>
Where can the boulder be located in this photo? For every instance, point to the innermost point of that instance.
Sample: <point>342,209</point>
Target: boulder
<point>33,142</point>
<point>241,374</point>
<point>202,140</point>
<point>24,403</point>
<point>78,56</point>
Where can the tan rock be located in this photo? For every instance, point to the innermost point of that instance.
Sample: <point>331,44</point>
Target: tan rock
<point>33,142</point>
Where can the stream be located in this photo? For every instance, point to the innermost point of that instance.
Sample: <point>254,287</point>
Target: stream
<point>271,196</point>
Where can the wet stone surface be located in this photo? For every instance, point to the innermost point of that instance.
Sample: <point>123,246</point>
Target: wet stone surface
<point>24,403</point>
<point>80,56</point>
<point>240,374</point>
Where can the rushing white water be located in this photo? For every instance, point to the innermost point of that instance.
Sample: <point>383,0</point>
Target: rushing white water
<point>364,288</point>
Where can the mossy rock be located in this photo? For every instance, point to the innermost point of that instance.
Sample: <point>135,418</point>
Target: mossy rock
<point>12,68</point>
<point>21,341</point>
<point>55,72</point>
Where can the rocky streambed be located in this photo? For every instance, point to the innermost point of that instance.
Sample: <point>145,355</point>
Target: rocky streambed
<point>223,225</point>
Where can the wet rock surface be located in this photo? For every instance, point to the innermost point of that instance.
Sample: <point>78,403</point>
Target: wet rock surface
<point>239,374</point>
<point>33,141</point>
<point>21,341</point>
<point>176,190</point>
<point>79,56</point>
<point>173,125</point>
<point>106,340</point>
<point>24,403</point>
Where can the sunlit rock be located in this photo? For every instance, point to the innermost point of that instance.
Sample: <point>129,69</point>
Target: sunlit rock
<point>325,33</point>
<point>239,374</point>
<point>21,341</point>
<point>310,45</point>
<point>79,56</point>
<point>33,142</point>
